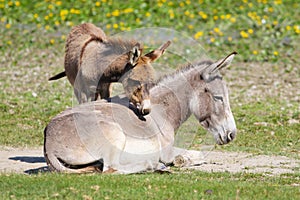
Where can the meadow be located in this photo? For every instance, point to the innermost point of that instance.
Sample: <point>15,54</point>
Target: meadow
<point>264,82</point>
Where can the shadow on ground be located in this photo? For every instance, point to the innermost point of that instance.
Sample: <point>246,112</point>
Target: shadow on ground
<point>32,159</point>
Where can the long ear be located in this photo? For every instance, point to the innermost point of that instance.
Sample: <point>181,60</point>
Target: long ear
<point>155,54</point>
<point>212,70</point>
<point>223,62</point>
<point>135,54</point>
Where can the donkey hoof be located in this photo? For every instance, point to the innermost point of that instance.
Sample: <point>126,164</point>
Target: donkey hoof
<point>179,161</point>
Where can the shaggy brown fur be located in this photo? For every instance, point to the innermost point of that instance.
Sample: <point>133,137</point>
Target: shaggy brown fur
<point>93,61</point>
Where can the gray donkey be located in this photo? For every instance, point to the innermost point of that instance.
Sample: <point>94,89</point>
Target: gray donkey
<point>93,61</point>
<point>107,137</point>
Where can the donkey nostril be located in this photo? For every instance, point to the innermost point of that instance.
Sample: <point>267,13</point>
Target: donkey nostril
<point>230,135</point>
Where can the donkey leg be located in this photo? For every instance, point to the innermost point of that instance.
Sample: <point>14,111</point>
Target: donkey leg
<point>89,169</point>
<point>110,171</point>
<point>182,157</point>
<point>112,145</point>
<point>56,166</point>
<point>186,158</point>
<point>77,95</point>
<point>96,97</point>
<point>82,97</point>
<point>104,90</point>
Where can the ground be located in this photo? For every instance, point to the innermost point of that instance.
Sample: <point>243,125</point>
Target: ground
<point>31,160</point>
<point>248,82</point>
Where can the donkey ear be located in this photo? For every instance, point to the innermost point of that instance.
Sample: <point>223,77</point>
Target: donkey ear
<point>212,70</point>
<point>223,62</point>
<point>155,54</point>
<point>135,54</point>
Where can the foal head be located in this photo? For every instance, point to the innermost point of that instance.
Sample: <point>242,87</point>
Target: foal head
<point>210,102</point>
<point>137,81</point>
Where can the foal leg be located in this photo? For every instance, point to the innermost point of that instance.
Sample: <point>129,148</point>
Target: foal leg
<point>103,90</point>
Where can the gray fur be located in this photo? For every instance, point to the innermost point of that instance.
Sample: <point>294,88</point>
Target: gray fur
<point>110,133</point>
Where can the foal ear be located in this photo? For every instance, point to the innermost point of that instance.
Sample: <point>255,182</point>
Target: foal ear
<point>135,54</point>
<point>155,54</point>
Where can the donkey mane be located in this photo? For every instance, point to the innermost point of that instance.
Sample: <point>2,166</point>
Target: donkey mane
<point>183,69</point>
<point>120,46</point>
<point>116,46</point>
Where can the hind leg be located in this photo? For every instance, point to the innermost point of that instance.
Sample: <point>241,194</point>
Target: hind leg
<point>103,91</point>
<point>89,169</point>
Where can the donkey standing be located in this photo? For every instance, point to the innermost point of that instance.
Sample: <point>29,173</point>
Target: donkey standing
<point>93,61</point>
<point>107,133</point>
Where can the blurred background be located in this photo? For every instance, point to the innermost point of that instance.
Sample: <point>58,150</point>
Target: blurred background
<point>261,30</point>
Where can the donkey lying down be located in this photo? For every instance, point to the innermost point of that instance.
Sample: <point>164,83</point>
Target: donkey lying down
<point>110,133</point>
<point>93,61</point>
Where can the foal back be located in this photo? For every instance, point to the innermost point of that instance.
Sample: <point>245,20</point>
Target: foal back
<point>76,42</point>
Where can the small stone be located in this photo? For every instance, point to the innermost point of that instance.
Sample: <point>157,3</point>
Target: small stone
<point>34,94</point>
<point>208,192</point>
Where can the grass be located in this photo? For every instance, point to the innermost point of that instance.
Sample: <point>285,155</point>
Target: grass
<point>190,185</point>
<point>32,41</point>
<point>264,130</point>
<point>273,25</point>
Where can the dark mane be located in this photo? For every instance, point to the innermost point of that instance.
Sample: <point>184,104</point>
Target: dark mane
<point>120,46</point>
<point>185,68</point>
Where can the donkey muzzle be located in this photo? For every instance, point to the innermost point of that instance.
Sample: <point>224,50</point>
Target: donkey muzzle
<point>146,107</point>
<point>229,136</point>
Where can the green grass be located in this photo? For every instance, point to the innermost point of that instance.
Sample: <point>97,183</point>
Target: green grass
<point>261,30</point>
<point>23,118</point>
<point>191,185</point>
<point>263,129</point>
<point>32,41</point>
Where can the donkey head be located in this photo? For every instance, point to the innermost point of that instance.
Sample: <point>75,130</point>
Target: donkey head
<point>138,80</point>
<point>211,102</point>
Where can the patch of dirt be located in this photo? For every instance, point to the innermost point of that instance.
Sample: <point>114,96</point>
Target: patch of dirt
<point>235,162</point>
<point>259,81</point>
<point>25,160</point>
<point>30,161</point>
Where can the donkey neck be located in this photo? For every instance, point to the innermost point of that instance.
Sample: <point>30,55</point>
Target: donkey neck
<point>174,92</point>
<point>115,55</point>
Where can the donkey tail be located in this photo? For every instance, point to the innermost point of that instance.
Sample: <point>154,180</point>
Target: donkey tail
<point>58,76</point>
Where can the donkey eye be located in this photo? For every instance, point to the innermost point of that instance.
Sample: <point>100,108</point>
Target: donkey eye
<point>218,98</point>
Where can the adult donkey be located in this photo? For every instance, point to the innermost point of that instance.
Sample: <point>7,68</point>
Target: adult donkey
<point>93,61</point>
<point>79,138</point>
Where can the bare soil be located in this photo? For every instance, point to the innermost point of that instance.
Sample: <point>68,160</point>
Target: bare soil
<point>31,161</point>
